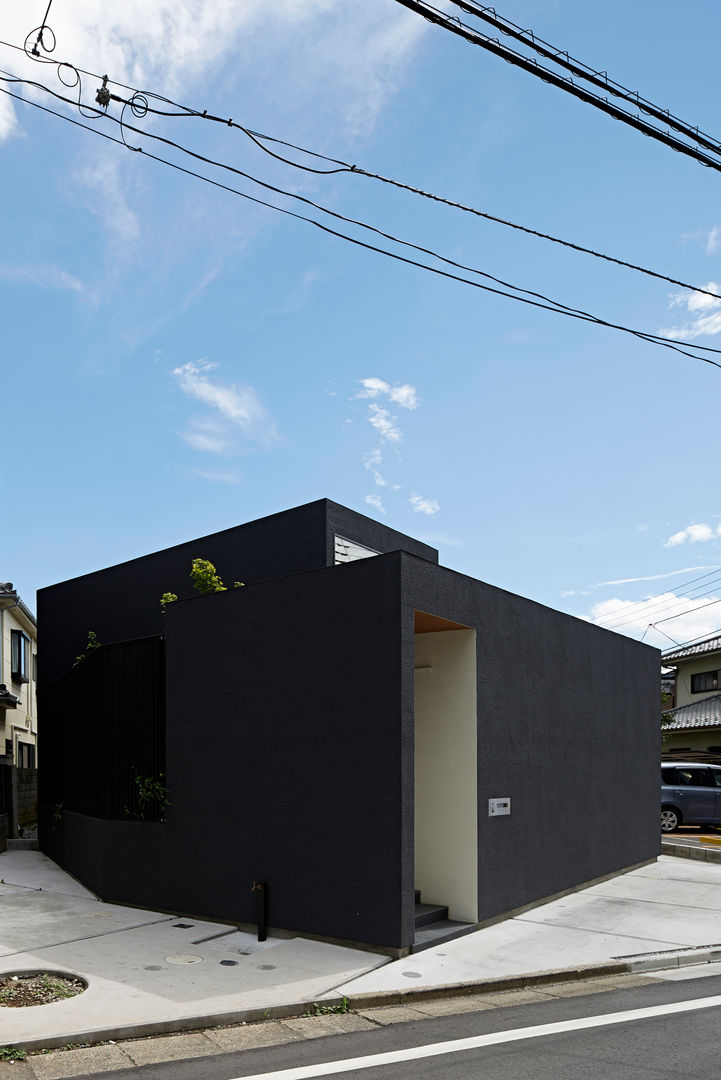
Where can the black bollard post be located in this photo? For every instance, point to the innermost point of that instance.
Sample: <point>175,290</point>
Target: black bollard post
<point>260,888</point>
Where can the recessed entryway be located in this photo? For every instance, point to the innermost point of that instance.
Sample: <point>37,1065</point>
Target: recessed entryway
<point>445,766</point>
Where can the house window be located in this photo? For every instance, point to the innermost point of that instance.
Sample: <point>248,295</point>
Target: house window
<point>704,681</point>
<point>26,756</point>
<point>19,649</point>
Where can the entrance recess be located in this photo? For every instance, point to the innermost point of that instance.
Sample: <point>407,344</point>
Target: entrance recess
<point>446,797</point>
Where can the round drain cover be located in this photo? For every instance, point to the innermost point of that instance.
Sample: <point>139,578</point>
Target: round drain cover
<point>411,974</point>
<point>184,958</point>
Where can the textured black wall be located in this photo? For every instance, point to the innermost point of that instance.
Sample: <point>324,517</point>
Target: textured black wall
<point>284,759</point>
<point>567,726</point>
<point>289,752</point>
<point>123,601</point>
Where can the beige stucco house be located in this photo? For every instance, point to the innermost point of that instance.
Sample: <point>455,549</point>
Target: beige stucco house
<point>696,717</point>
<point>18,663</point>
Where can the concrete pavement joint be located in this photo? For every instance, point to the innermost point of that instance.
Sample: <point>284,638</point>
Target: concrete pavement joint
<point>87,937</point>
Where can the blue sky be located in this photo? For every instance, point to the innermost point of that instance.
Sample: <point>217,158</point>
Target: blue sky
<point>177,360</point>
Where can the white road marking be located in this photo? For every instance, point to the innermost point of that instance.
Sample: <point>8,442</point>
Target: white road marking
<point>494,1038</point>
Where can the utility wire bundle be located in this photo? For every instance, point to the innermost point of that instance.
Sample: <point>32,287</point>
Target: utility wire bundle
<point>139,105</point>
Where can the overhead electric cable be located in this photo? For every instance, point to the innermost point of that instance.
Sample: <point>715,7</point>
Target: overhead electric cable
<point>475,37</point>
<point>596,78</point>
<point>260,139</point>
<point>697,640</point>
<point>689,611</point>
<point>683,585</point>
<point>544,303</point>
<point>663,605</point>
<point>612,618</point>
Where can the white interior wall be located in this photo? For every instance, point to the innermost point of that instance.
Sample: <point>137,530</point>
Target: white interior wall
<point>446,799</point>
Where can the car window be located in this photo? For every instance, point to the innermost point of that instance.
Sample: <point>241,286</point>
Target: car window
<point>667,776</point>
<point>694,777</point>
<point>716,776</point>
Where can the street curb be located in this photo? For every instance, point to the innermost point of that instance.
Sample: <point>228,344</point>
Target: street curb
<point>369,1000</point>
<point>636,964</point>
<point>688,851</point>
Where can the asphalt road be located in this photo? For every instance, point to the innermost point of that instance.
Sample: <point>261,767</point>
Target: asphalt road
<point>595,1035</point>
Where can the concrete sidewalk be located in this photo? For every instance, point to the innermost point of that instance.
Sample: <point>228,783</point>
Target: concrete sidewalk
<point>153,973</point>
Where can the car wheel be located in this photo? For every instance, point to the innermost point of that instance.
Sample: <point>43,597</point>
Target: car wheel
<point>670,819</point>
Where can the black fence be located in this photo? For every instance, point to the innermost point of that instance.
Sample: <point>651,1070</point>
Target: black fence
<point>104,734</point>
<point>6,797</point>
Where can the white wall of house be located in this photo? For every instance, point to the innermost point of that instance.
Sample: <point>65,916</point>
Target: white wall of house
<point>18,726</point>
<point>696,665</point>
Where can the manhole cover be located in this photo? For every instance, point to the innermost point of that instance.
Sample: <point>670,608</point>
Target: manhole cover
<point>153,967</point>
<point>228,963</point>
<point>24,988</point>
<point>411,974</point>
<point>184,958</point>
<point>266,967</point>
<point>183,925</point>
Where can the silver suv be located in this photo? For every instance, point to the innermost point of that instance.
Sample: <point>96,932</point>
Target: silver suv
<point>690,794</point>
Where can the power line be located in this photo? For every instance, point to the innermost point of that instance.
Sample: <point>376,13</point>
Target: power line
<point>658,598</point>
<point>475,37</point>
<point>596,78</point>
<point>659,608</point>
<point>542,302</point>
<point>696,640</point>
<point>689,611</point>
<point>640,603</point>
<point>260,139</point>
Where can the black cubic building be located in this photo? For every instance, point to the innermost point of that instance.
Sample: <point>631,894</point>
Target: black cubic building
<point>353,725</point>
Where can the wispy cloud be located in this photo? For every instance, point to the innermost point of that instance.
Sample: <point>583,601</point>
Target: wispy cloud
<point>709,238</point>
<point>652,577</point>
<point>705,312</point>
<point>376,502</point>
<point>403,394</point>
<point>693,534</point>
<point>217,476</point>
<point>238,406</point>
<point>424,506</point>
<point>385,424</point>
<point>47,276</point>
<point>387,428</point>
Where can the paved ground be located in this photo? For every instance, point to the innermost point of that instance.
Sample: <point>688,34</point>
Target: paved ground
<point>152,972</point>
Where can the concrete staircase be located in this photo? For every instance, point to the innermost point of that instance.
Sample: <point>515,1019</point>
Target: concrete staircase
<point>433,925</point>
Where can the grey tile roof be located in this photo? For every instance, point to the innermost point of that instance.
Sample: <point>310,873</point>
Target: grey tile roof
<point>712,644</point>
<point>701,714</point>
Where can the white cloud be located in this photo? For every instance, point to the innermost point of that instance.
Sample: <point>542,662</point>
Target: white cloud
<point>373,458</point>
<point>701,617</point>
<point>404,394</point>
<point>711,238</point>
<point>376,502</point>
<point>217,476</point>
<point>650,577</point>
<point>384,423</point>
<point>423,506</point>
<point>52,277</point>
<point>356,54</point>
<point>693,534</point>
<point>231,408</point>
<point>706,312</point>
<point>239,405</point>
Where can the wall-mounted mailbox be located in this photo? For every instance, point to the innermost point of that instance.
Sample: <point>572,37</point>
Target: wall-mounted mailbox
<point>498,807</point>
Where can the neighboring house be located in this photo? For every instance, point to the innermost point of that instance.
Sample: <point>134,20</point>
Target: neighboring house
<point>354,724</point>
<point>695,726</point>
<point>18,661</point>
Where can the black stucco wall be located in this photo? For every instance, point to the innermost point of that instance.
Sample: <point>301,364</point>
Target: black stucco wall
<point>289,750</point>
<point>123,601</point>
<point>283,762</point>
<point>567,726</point>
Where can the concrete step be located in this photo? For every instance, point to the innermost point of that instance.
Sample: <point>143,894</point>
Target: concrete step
<point>26,844</point>
<point>430,913</point>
